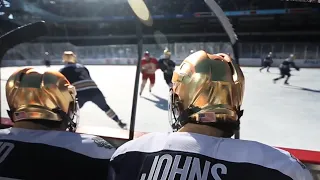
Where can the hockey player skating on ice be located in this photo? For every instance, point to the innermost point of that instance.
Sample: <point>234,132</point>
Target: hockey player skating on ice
<point>87,90</point>
<point>267,62</point>
<point>285,69</point>
<point>167,66</point>
<point>47,59</point>
<point>43,107</point>
<point>149,65</point>
<point>205,103</point>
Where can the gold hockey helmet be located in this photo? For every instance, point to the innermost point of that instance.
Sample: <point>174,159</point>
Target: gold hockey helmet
<point>32,95</point>
<point>69,57</point>
<point>207,89</point>
<point>166,52</point>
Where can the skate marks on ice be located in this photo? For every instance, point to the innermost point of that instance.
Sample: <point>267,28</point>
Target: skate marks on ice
<point>273,113</point>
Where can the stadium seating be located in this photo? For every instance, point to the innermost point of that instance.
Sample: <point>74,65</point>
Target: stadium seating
<point>179,50</point>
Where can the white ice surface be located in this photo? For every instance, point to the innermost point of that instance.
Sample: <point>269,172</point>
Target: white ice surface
<point>275,114</point>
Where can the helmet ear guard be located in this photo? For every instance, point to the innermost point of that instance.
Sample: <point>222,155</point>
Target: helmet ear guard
<point>175,111</point>
<point>70,119</point>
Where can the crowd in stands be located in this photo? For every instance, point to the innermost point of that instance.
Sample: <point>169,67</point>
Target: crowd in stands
<point>179,50</point>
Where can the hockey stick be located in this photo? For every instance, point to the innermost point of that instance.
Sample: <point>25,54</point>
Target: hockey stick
<point>20,35</point>
<point>139,34</point>
<point>227,26</point>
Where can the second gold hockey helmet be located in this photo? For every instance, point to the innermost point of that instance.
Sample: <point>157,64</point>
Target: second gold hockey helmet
<point>166,53</point>
<point>207,89</point>
<point>69,57</point>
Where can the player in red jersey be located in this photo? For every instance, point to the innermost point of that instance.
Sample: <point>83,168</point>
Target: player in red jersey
<point>149,65</point>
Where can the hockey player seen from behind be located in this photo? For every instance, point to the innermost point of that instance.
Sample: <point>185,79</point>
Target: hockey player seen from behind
<point>267,62</point>
<point>47,59</point>
<point>43,108</point>
<point>149,65</point>
<point>285,69</point>
<point>167,66</point>
<point>87,90</point>
<point>205,106</point>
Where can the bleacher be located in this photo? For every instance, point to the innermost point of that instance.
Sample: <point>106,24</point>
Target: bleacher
<point>179,51</point>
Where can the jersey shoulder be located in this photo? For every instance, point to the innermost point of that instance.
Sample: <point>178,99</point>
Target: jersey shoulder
<point>172,62</point>
<point>145,143</point>
<point>78,65</point>
<point>73,65</point>
<point>88,145</point>
<point>67,67</point>
<point>225,149</point>
<point>154,60</point>
<point>98,147</point>
<point>143,61</point>
<point>264,155</point>
<point>160,61</point>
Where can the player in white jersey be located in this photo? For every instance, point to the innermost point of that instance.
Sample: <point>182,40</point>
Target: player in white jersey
<point>205,105</point>
<point>43,106</point>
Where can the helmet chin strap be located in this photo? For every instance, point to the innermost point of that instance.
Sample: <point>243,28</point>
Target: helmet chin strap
<point>72,126</point>
<point>227,126</point>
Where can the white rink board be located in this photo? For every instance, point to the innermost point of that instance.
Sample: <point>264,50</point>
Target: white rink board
<point>275,114</point>
<point>248,62</point>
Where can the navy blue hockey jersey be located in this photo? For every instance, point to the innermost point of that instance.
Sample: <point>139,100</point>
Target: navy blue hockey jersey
<point>167,65</point>
<point>268,59</point>
<point>38,154</point>
<point>78,75</point>
<point>190,156</point>
<point>285,65</point>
